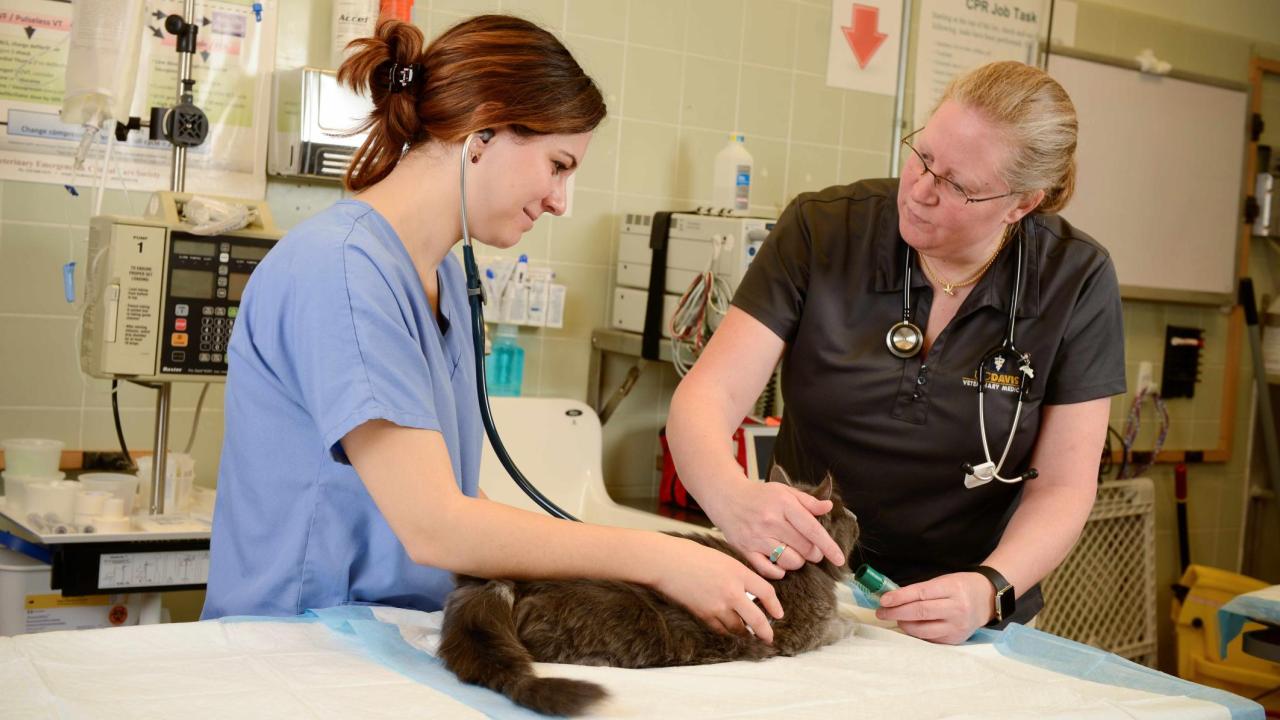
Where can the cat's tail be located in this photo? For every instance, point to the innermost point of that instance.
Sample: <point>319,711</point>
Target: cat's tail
<point>479,644</point>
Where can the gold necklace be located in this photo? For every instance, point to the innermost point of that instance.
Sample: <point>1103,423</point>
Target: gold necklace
<point>950,287</point>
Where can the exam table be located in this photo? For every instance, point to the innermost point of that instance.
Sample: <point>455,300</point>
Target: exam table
<point>367,662</point>
<point>373,662</point>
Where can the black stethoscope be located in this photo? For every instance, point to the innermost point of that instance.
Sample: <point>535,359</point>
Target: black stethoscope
<point>905,340</point>
<point>475,298</point>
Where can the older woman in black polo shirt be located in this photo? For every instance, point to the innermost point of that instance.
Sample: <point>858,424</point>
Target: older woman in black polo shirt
<point>971,229</point>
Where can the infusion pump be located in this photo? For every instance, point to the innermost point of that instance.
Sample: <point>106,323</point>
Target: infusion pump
<point>690,241</point>
<point>161,300</point>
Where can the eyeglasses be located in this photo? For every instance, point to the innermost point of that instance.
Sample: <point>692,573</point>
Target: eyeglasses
<point>946,186</point>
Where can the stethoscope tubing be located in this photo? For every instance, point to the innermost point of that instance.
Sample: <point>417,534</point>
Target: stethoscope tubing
<point>1006,347</point>
<point>475,299</point>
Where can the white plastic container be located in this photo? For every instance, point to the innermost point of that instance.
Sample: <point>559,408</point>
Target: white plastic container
<point>351,19</point>
<point>31,456</point>
<point>180,475</point>
<point>54,502</point>
<point>112,519</point>
<point>732,176</point>
<point>120,485</point>
<point>20,576</point>
<point>15,488</point>
<point>28,604</point>
<point>89,504</point>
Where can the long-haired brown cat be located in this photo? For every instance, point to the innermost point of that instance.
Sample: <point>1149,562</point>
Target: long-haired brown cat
<point>494,630</point>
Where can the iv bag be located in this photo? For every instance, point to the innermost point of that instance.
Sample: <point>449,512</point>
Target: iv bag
<point>102,61</point>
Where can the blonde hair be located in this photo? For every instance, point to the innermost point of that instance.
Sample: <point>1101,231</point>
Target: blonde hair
<point>1037,119</point>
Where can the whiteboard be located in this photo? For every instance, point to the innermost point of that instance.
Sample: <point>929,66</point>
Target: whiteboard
<point>1161,161</point>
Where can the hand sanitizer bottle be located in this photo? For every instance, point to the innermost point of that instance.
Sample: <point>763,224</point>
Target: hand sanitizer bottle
<point>504,367</point>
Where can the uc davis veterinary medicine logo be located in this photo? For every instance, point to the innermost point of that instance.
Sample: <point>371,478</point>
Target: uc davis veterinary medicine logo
<point>1001,375</point>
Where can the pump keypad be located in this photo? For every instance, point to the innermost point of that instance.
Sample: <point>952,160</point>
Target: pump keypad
<point>215,332</point>
<point>205,280</point>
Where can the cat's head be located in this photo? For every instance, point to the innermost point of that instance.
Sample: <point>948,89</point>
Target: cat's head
<point>840,523</point>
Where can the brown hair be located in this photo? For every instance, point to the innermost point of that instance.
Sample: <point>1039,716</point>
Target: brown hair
<point>489,71</point>
<point>1037,118</point>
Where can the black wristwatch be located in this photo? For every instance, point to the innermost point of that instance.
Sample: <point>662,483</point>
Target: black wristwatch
<point>1004,594</point>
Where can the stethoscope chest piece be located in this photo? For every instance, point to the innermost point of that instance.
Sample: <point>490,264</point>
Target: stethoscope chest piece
<point>904,339</point>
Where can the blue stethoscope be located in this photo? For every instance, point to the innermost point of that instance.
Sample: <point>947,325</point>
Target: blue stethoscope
<point>905,340</point>
<point>475,298</point>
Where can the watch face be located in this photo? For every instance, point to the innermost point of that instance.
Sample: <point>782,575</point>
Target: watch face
<point>1004,604</point>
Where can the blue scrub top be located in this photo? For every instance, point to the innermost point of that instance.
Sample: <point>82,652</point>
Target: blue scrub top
<point>334,330</point>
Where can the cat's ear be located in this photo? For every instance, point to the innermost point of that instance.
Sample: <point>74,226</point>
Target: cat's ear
<point>778,475</point>
<point>824,490</point>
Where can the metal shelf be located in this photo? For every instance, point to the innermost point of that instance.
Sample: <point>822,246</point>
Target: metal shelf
<point>622,342</point>
<point>123,562</point>
<point>204,533</point>
<point>616,342</point>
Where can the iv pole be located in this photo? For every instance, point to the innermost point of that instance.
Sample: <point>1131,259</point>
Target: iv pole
<point>181,126</point>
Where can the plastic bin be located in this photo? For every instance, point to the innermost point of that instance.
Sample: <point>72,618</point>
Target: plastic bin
<point>1196,625</point>
<point>29,605</point>
<point>31,456</point>
<point>120,485</point>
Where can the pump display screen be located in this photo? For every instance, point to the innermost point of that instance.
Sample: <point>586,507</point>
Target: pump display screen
<point>248,252</point>
<point>191,283</point>
<point>191,247</point>
<point>235,285</point>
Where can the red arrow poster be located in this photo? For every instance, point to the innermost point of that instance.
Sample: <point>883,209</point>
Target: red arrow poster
<point>863,36</point>
<point>865,40</point>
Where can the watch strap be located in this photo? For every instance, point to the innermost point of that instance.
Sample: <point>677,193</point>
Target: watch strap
<point>1004,593</point>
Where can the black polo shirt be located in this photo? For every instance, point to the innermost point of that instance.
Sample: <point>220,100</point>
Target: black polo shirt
<point>895,432</point>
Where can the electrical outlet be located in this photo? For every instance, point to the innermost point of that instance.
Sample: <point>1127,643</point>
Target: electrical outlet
<point>1146,380</point>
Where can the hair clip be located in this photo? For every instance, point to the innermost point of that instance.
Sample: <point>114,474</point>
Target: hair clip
<point>402,77</point>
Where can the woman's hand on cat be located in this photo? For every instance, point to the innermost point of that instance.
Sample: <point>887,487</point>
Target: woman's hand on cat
<point>714,586</point>
<point>947,609</point>
<point>761,516</point>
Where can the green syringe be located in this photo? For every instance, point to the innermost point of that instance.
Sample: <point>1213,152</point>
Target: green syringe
<point>872,582</point>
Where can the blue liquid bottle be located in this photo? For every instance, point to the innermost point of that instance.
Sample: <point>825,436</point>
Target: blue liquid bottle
<point>504,366</point>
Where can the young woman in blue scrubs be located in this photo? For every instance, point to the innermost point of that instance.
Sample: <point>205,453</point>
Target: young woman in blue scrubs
<point>351,457</point>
